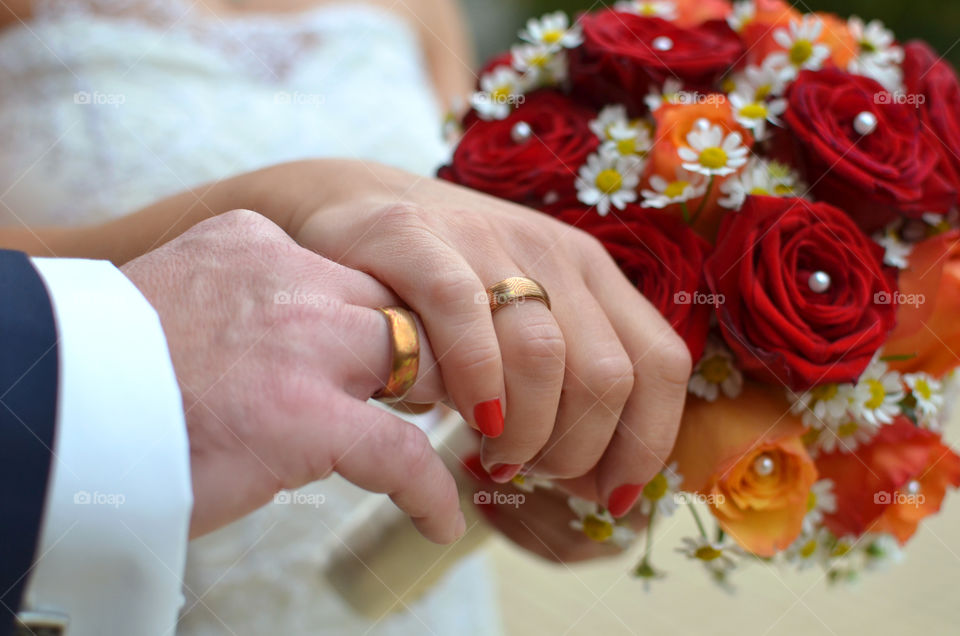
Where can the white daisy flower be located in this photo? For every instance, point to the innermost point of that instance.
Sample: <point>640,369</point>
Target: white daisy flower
<point>896,251</point>
<point>877,394</point>
<point>609,178</point>
<point>607,119</point>
<point>820,500</point>
<point>501,90</point>
<point>716,556</point>
<point>881,550</point>
<point>630,139</point>
<point>625,136</point>
<point>660,493</point>
<point>810,548</point>
<point>713,154</point>
<point>845,437</point>
<point>598,524</point>
<point>801,48</point>
<point>743,13</point>
<point>823,406</point>
<point>530,482</point>
<point>761,82</point>
<point>878,55</point>
<point>540,65</point>
<point>670,93</point>
<point>760,178</point>
<point>753,113</point>
<point>665,9</point>
<point>686,186</point>
<point>553,31</point>
<point>716,371</point>
<point>928,393</point>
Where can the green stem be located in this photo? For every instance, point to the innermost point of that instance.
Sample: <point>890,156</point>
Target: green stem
<point>696,517</point>
<point>703,202</point>
<point>686,212</point>
<point>648,540</point>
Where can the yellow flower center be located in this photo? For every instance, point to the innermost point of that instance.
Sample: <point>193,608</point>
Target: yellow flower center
<point>867,46</point>
<point>762,92</point>
<point>713,158</point>
<point>676,189</point>
<point>824,392</point>
<point>553,36</point>
<point>708,553</point>
<point>609,181</point>
<point>519,480</point>
<point>627,146</point>
<point>811,501</point>
<point>922,387</point>
<point>783,190</point>
<point>810,437</point>
<point>728,85</point>
<point>539,60</point>
<point>656,488</point>
<point>597,529</point>
<point>715,369</point>
<point>877,394</point>
<point>757,190</point>
<point>808,549</point>
<point>800,52</point>
<point>501,93</point>
<point>848,429</point>
<point>755,110</point>
<point>648,9</point>
<point>840,550</point>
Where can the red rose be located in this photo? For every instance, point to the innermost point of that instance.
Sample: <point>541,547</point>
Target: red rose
<point>623,55</point>
<point>663,258</point>
<point>781,329</point>
<point>933,87</point>
<point>873,485</point>
<point>874,177</point>
<point>539,169</point>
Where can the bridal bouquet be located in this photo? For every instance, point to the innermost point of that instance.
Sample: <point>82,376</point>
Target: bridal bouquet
<point>783,187</point>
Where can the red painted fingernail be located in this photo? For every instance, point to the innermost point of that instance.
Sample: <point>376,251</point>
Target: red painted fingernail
<point>623,498</point>
<point>502,473</point>
<point>489,417</point>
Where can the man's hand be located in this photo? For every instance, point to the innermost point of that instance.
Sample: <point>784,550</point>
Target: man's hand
<point>277,350</point>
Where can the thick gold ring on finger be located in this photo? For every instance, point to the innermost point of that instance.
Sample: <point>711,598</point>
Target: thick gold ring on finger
<point>405,354</point>
<point>516,289</point>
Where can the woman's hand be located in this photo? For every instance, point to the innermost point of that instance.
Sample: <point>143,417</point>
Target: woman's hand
<point>594,387</point>
<point>277,351</point>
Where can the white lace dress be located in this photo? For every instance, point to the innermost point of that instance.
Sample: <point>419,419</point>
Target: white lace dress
<point>108,105</point>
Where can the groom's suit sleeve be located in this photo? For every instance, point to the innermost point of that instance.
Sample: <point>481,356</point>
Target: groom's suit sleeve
<point>100,472</point>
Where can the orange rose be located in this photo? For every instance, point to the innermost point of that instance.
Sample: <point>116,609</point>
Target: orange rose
<point>890,484</point>
<point>748,456</point>
<point>693,12</point>
<point>927,330</point>
<point>673,123</point>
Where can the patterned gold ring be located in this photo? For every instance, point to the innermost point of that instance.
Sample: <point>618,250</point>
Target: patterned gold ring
<point>516,290</point>
<point>405,355</point>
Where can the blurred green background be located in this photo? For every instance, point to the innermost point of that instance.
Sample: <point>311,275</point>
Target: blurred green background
<point>495,22</point>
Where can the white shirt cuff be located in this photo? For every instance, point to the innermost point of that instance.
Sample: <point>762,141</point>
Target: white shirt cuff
<point>114,537</point>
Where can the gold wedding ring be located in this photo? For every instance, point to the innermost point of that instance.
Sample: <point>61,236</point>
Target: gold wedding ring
<point>405,354</point>
<point>516,290</point>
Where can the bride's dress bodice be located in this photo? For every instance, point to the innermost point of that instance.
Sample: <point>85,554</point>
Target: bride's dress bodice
<point>108,105</point>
